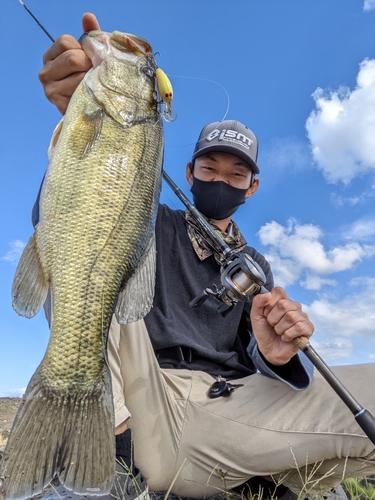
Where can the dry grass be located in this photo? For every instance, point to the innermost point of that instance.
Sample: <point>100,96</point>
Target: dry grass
<point>356,489</point>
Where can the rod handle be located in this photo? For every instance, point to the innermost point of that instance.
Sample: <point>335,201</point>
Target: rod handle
<point>366,421</point>
<point>301,342</point>
<point>363,417</point>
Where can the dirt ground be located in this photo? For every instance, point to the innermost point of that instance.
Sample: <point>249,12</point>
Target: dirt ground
<point>8,410</point>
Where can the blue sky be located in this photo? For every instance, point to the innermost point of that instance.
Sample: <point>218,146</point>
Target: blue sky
<point>300,74</point>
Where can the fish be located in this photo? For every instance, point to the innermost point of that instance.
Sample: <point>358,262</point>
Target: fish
<point>93,252</point>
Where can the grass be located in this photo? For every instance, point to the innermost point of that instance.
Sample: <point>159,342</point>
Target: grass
<point>359,489</point>
<point>356,489</point>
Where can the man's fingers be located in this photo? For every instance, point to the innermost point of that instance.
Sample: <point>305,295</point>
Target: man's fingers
<point>284,315</point>
<point>263,303</point>
<point>302,328</point>
<point>62,44</point>
<point>89,22</point>
<point>288,320</point>
<point>67,63</point>
<point>60,92</point>
<point>61,102</point>
<point>283,310</point>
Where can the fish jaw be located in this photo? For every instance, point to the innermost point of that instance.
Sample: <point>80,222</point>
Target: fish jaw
<point>127,75</point>
<point>98,44</point>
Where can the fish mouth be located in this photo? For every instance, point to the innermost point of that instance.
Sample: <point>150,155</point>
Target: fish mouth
<point>130,43</point>
<point>97,41</point>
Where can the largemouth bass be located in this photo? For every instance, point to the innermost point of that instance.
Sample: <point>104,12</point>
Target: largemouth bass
<point>94,243</point>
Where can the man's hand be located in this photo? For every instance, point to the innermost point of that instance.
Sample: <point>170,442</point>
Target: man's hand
<point>276,321</point>
<point>65,65</point>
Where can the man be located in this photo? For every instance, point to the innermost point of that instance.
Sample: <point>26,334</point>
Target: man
<point>163,367</point>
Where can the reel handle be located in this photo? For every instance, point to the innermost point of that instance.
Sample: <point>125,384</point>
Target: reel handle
<point>199,299</point>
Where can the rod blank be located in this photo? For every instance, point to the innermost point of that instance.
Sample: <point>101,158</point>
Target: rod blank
<point>363,417</point>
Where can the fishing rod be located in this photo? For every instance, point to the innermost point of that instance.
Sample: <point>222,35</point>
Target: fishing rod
<point>241,278</point>
<point>36,20</point>
<point>247,281</point>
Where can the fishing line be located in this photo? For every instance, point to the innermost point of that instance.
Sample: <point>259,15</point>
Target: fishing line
<point>209,81</point>
<point>177,76</point>
<point>174,76</point>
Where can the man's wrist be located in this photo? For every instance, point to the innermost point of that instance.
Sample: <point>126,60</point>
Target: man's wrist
<point>276,367</point>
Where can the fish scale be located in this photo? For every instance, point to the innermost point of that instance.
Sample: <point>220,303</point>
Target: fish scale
<point>94,241</point>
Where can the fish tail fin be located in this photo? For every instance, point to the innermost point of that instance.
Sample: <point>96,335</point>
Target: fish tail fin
<point>68,435</point>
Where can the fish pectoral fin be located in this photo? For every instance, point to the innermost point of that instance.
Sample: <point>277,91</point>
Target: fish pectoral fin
<point>86,131</point>
<point>30,284</point>
<point>55,136</point>
<point>135,301</point>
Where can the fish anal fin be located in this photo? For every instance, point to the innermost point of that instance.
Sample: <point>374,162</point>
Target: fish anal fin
<point>30,283</point>
<point>59,434</point>
<point>135,301</point>
<point>86,131</point>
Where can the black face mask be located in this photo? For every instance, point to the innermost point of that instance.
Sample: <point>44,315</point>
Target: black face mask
<point>217,200</point>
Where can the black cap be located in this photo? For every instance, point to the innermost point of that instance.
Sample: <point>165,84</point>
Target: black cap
<point>229,136</point>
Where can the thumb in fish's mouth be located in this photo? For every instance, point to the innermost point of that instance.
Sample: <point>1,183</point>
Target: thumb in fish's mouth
<point>95,45</point>
<point>93,34</point>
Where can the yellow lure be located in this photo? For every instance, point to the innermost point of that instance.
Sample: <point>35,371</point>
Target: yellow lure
<point>164,85</point>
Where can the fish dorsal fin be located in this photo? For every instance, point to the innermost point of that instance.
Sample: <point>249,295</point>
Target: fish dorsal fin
<point>30,284</point>
<point>135,301</point>
<point>86,131</point>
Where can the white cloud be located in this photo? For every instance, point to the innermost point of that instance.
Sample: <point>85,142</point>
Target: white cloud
<point>369,5</point>
<point>13,393</point>
<point>313,282</point>
<point>344,322</point>
<point>16,248</point>
<point>339,201</point>
<point>285,154</point>
<point>334,349</point>
<point>362,229</point>
<point>341,129</point>
<point>297,248</point>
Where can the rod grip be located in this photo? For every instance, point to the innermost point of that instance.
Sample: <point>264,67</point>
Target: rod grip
<point>301,342</point>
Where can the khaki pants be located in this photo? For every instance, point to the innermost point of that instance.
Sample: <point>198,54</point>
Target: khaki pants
<point>264,428</point>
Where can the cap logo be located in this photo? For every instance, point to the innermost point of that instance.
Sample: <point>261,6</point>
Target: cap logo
<point>230,136</point>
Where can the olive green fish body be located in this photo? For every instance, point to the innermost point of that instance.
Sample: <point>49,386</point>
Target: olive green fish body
<point>97,217</point>
<point>94,241</point>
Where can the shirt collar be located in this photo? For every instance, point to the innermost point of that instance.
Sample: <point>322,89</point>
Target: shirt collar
<point>232,237</point>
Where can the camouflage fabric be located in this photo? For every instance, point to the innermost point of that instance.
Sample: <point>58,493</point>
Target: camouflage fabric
<point>202,243</point>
